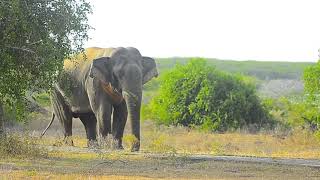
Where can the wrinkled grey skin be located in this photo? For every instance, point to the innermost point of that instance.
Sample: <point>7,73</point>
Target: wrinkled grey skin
<point>127,71</point>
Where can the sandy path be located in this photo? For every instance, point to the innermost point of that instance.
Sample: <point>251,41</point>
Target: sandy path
<point>126,165</point>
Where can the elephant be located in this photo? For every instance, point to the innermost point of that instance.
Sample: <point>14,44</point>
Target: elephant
<point>103,85</point>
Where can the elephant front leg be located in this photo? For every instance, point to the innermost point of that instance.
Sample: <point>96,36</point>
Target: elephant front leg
<point>120,114</point>
<point>103,116</point>
<point>90,123</point>
<point>102,109</point>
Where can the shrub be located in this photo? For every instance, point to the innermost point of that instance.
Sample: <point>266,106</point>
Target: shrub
<point>43,99</point>
<point>312,91</point>
<point>199,95</point>
<point>12,145</point>
<point>295,112</point>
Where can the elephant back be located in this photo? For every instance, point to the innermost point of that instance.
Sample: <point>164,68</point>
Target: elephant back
<point>88,56</point>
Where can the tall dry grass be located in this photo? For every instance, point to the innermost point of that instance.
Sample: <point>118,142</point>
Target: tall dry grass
<point>296,144</point>
<point>20,146</point>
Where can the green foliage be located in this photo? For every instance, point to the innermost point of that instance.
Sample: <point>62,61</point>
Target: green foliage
<point>258,70</point>
<point>14,113</point>
<point>35,38</point>
<point>311,113</point>
<point>295,113</point>
<point>196,94</point>
<point>311,80</point>
<point>43,99</point>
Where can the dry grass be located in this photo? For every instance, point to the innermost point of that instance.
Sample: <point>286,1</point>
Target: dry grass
<point>20,146</point>
<point>79,163</point>
<point>34,174</point>
<point>298,144</point>
<point>54,141</point>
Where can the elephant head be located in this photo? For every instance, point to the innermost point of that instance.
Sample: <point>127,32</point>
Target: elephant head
<point>122,76</point>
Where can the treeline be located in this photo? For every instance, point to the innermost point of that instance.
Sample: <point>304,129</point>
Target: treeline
<point>262,70</point>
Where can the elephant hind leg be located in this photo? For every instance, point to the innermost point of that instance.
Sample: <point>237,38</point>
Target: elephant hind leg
<point>64,114</point>
<point>90,124</point>
<point>120,114</point>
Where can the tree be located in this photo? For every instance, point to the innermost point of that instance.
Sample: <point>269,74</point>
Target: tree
<point>35,37</point>
<point>311,78</point>
<point>196,94</point>
<point>312,81</point>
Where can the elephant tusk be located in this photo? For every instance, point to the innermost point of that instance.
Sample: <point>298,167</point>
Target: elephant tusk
<point>116,97</point>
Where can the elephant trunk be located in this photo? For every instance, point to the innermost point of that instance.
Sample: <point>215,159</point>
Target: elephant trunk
<point>133,101</point>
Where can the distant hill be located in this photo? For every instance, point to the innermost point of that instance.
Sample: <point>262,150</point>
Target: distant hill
<point>263,70</point>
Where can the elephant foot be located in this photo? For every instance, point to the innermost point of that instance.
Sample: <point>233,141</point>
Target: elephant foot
<point>135,146</point>
<point>117,145</point>
<point>93,144</point>
<point>68,141</point>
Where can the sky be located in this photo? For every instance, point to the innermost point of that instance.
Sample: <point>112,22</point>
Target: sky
<point>269,30</point>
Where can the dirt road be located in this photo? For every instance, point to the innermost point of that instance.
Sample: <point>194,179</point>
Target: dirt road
<point>72,162</point>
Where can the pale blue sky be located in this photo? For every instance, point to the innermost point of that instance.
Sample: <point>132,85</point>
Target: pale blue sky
<point>274,30</point>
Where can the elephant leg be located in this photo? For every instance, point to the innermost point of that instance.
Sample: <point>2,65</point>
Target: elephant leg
<point>101,107</point>
<point>102,110</point>
<point>90,123</point>
<point>120,114</point>
<point>103,116</point>
<point>64,114</point>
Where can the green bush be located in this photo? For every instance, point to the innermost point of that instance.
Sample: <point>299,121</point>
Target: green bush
<point>311,115</point>
<point>295,112</point>
<point>43,99</point>
<point>196,94</point>
<point>311,81</point>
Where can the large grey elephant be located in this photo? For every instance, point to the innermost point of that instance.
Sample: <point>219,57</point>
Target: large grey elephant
<point>94,89</point>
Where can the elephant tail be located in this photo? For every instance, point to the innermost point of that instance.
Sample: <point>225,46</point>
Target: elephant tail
<point>53,115</point>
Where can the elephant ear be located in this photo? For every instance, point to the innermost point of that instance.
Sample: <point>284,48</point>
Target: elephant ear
<point>149,69</point>
<point>101,69</point>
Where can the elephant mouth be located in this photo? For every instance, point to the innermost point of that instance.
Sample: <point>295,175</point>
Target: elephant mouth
<point>115,95</point>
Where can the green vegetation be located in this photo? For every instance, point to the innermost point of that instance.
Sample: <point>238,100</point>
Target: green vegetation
<point>43,99</point>
<point>308,108</point>
<point>311,81</point>
<point>259,70</point>
<point>199,95</point>
<point>295,113</point>
<point>262,70</point>
<point>35,38</point>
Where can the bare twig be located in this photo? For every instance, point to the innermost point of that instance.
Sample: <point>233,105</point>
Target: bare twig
<point>37,42</point>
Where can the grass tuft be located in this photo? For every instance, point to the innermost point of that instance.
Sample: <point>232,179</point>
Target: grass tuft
<point>13,145</point>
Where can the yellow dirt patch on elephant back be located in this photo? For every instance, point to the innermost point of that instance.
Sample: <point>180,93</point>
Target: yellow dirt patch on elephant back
<point>89,55</point>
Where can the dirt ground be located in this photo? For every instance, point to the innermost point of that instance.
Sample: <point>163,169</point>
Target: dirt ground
<point>66,162</point>
<point>81,163</point>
